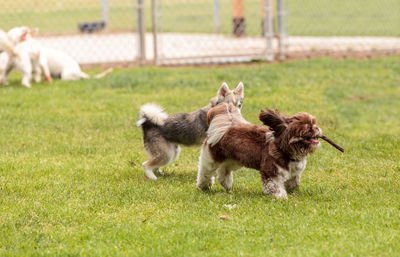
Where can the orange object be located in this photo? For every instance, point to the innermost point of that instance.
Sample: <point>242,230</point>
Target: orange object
<point>238,9</point>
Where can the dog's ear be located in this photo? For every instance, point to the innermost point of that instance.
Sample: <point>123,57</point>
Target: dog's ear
<point>33,32</point>
<point>23,35</point>
<point>239,89</point>
<point>223,90</point>
<point>274,119</point>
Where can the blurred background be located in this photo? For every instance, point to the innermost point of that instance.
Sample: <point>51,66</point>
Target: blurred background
<point>208,31</point>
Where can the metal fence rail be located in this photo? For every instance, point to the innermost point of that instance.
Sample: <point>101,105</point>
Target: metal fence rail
<point>208,31</point>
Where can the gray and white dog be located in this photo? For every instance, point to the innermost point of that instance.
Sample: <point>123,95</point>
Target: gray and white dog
<point>163,133</point>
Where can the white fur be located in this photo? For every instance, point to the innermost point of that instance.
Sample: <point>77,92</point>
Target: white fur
<point>60,64</point>
<point>173,153</point>
<point>269,136</point>
<point>26,58</point>
<point>153,113</point>
<point>206,168</point>
<point>52,62</point>
<point>6,43</point>
<point>286,178</point>
<point>20,34</point>
<point>26,61</point>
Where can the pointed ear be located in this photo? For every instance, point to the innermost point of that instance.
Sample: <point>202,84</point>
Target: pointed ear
<point>239,89</point>
<point>223,90</point>
<point>274,120</point>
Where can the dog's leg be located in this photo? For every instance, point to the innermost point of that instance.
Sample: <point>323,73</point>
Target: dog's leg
<point>160,152</point>
<point>154,163</point>
<point>4,66</point>
<point>26,68</point>
<point>44,67</point>
<point>206,169</point>
<point>37,72</point>
<point>149,166</point>
<point>3,77</point>
<point>274,186</point>
<point>292,183</point>
<point>175,152</point>
<point>225,177</point>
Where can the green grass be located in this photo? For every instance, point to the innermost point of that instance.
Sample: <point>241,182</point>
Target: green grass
<point>310,18</point>
<point>71,182</point>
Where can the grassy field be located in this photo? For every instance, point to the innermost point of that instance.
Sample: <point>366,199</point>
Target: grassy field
<point>71,182</point>
<point>316,17</point>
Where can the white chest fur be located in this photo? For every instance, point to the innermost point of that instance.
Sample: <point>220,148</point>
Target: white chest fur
<point>295,168</point>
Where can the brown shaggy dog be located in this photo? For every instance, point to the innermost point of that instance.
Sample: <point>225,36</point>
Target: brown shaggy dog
<point>278,152</point>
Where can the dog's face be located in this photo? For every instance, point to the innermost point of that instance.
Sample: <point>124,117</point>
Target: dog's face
<point>297,135</point>
<point>21,34</point>
<point>232,97</point>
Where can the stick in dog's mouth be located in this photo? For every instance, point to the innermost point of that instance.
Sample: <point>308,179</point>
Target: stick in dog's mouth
<point>332,143</point>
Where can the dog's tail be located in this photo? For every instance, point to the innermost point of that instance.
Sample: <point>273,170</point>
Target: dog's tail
<point>97,76</point>
<point>151,113</point>
<point>220,118</point>
<point>103,74</point>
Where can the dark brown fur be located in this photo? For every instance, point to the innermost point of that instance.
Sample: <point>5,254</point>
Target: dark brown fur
<point>288,139</point>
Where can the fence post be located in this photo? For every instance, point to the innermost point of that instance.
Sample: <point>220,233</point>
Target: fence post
<point>154,29</point>
<point>141,33</point>
<point>268,30</point>
<point>281,28</point>
<point>104,8</point>
<point>217,22</point>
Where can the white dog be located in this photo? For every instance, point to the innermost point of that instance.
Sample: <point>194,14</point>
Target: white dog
<point>6,43</point>
<point>60,65</point>
<point>25,59</point>
<point>53,63</point>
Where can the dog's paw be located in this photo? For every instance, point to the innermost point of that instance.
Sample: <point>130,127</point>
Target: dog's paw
<point>160,172</point>
<point>281,194</point>
<point>206,184</point>
<point>150,175</point>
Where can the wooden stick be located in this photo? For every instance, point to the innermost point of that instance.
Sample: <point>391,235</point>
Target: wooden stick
<point>332,143</point>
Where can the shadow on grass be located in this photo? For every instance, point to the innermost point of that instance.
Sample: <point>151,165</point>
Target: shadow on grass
<point>239,190</point>
<point>175,177</point>
<point>190,180</point>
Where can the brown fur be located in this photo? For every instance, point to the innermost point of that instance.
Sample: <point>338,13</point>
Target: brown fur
<point>269,150</point>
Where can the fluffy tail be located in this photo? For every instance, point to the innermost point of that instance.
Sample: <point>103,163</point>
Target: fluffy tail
<point>152,113</point>
<point>220,119</point>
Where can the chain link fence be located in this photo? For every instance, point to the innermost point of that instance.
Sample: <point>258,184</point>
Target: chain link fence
<point>91,31</point>
<point>203,31</point>
<point>360,28</point>
<point>208,31</point>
